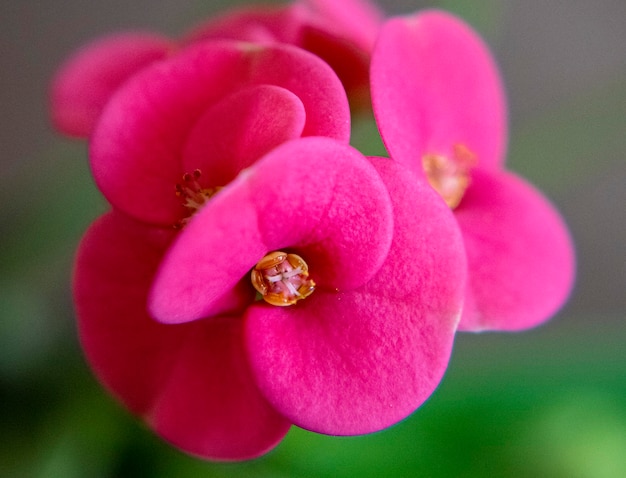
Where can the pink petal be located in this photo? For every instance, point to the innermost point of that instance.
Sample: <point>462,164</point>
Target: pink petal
<point>191,380</point>
<point>129,352</point>
<point>351,64</point>
<point>314,196</point>
<point>521,258</point>
<point>331,204</point>
<point>86,81</point>
<point>343,35</point>
<point>213,254</point>
<point>240,129</point>
<point>209,405</point>
<point>356,20</point>
<point>137,149</point>
<point>359,361</point>
<point>435,85</point>
<point>340,33</point>
<point>252,23</point>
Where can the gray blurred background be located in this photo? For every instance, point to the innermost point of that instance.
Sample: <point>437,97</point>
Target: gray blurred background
<point>564,64</point>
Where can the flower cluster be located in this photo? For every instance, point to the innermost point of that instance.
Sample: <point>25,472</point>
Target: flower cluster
<point>255,270</point>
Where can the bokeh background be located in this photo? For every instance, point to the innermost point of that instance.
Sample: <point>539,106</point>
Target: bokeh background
<point>548,402</point>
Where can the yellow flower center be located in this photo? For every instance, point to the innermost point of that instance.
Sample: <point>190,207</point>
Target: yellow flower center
<point>282,279</point>
<point>192,195</point>
<point>450,175</point>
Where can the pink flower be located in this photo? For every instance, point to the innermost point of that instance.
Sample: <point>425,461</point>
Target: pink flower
<point>439,104</point>
<point>244,149</point>
<point>217,107</point>
<point>342,34</point>
<point>87,79</point>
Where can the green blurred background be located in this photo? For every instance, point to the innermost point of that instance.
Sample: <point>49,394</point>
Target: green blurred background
<point>548,402</point>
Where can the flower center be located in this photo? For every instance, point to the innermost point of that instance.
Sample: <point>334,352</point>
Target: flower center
<point>192,195</point>
<point>282,278</point>
<point>450,176</point>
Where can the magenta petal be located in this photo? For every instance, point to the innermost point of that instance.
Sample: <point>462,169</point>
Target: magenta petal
<point>86,81</point>
<point>137,148</point>
<point>357,362</point>
<point>340,33</point>
<point>127,349</point>
<point>358,21</point>
<point>435,85</point>
<point>209,405</point>
<point>343,35</point>
<point>521,259</point>
<point>209,259</point>
<point>240,129</point>
<point>313,196</point>
<point>330,205</point>
<point>192,381</point>
<point>254,23</point>
<point>347,60</point>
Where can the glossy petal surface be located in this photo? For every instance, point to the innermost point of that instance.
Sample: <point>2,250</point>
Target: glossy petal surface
<point>434,85</point>
<point>137,149</point>
<point>521,260</point>
<point>88,78</point>
<point>314,196</point>
<point>192,381</point>
<point>358,361</point>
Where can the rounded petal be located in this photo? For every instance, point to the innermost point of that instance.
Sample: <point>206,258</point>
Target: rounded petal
<point>520,255</point>
<point>137,148</point>
<point>343,34</point>
<point>359,361</point>
<point>254,23</point>
<point>340,33</point>
<point>128,351</point>
<point>435,85</point>
<point>358,21</point>
<point>355,21</point>
<point>313,196</point>
<point>210,257</point>
<point>87,79</point>
<point>191,381</point>
<point>330,205</point>
<point>209,406</point>
<point>347,60</point>
<point>240,129</point>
